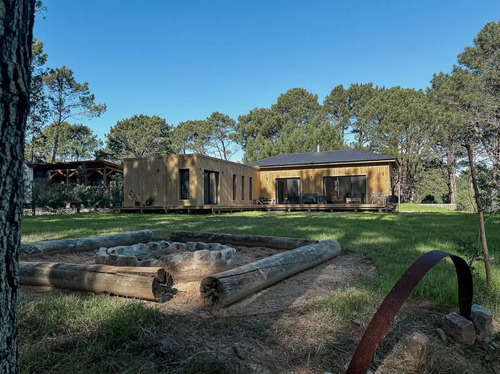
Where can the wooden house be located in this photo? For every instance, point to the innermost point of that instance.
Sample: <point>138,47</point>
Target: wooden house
<point>331,180</point>
<point>178,181</point>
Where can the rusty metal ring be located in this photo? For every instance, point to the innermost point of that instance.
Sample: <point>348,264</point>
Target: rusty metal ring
<point>393,302</point>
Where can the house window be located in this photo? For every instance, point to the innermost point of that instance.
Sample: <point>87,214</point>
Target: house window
<point>234,187</point>
<point>340,189</point>
<point>242,187</point>
<point>287,190</point>
<point>211,187</point>
<point>184,184</point>
<point>250,197</point>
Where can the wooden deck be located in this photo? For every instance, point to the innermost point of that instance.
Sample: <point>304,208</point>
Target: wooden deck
<point>214,209</point>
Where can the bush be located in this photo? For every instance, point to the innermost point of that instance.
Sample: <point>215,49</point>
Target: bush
<point>429,199</point>
<point>59,195</point>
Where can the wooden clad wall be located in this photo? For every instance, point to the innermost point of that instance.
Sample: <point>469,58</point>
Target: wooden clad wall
<point>159,177</point>
<point>226,171</point>
<point>378,177</point>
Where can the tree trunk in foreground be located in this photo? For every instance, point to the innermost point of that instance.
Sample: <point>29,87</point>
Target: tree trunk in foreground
<point>275,242</point>
<point>148,283</point>
<point>16,34</point>
<point>222,289</point>
<point>87,244</point>
<point>451,170</point>
<point>480,214</point>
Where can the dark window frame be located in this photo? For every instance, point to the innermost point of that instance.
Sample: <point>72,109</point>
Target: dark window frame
<point>235,182</point>
<point>276,188</point>
<point>250,188</point>
<point>242,187</point>
<point>183,193</point>
<point>364,198</point>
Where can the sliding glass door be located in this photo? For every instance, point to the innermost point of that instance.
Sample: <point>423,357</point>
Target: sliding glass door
<point>338,189</point>
<point>210,187</point>
<point>287,190</point>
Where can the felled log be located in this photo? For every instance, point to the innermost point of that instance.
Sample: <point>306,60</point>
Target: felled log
<point>222,289</point>
<point>87,244</point>
<point>148,283</point>
<point>275,242</point>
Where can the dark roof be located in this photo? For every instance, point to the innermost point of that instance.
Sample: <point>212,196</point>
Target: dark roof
<point>75,165</point>
<point>328,157</point>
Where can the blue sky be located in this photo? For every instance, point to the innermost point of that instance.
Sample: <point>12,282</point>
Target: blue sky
<point>183,60</point>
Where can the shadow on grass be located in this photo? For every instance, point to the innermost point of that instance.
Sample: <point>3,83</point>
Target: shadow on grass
<point>393,242</point>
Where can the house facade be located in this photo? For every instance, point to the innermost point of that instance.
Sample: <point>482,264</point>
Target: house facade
<point>323,178</point>
<point>188,181</point>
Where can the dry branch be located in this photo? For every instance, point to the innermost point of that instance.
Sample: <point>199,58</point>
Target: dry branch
<point>87,244</point>
<point>275,242</point>
<point>222,289</point>
<point>149,283</point>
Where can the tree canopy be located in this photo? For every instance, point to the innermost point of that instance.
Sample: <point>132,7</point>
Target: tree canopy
<point>68,99</point>
<point>76,143</point>
<point>295,123</point>
<point>213,136</point>
<point>139,136</point>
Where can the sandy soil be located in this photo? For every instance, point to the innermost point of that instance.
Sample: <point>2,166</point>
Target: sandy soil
<point>296,290</point>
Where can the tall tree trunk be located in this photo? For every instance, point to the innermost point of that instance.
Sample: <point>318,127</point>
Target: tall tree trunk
<point>451,169</point>
<point>56,142</point>
<point>479,205</point>
<point>16,25</point>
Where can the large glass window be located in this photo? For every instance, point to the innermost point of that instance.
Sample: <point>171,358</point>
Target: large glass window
<point>234,187</point>
<point>287,190</point>
<point>184,184</point>
<point>250,188</point>
<point>242,187</point>
<point>210,187</point>
<point>338,189</point>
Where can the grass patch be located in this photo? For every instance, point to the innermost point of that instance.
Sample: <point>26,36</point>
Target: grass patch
<point>65,333</point>
<point>84,334</point>
<point>392,241</point>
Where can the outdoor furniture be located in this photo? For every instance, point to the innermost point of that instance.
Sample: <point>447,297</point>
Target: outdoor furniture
<point>378,196</point>
<point>353,200</point>
<point>265,201</point>
<point>322,199</point>
<point>335,198</point>
<point>310,198</point>
<point>293,199</point>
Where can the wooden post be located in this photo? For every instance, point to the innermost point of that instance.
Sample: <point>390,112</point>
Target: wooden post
<point>275,242</point>
<point>149,283</point>
<point>87,244</point>
<point>104,177</point>
<point>222,289</point>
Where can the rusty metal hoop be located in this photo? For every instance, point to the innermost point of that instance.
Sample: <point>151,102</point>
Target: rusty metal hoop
<point>393,302</point>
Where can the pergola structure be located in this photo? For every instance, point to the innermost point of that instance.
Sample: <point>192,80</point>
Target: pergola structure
<point>96,173</point>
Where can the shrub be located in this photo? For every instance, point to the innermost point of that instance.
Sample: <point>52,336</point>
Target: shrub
<point>59,195</point>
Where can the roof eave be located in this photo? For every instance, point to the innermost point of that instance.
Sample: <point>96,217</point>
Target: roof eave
<point>395,160</point>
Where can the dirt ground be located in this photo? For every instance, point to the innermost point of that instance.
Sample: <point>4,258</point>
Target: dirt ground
<point>298,340</point>
<point>342,271</point>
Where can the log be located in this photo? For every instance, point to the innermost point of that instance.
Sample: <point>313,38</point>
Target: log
<point>222,289</point>
<point>87,244</point>
<point>148,283</point>
<point>275,242</point>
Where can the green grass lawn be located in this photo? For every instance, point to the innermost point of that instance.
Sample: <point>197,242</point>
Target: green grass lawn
<point>69,333</point>
<point>392,241</point>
